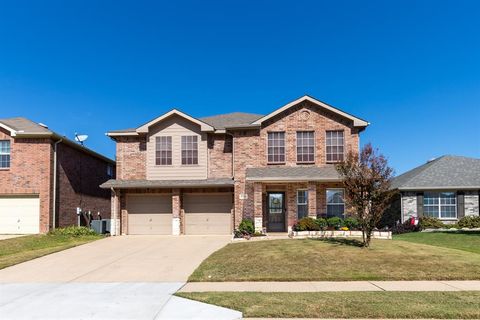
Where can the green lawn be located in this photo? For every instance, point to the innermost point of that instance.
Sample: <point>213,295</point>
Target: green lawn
<point>338,260</point>
<point>461,240</point>
<point>413,305</point>
<point>17,250</point>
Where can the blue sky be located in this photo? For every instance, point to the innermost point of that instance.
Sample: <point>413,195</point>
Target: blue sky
<point>411,68</point>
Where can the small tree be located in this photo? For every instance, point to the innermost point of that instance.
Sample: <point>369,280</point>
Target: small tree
<point>366,178</point>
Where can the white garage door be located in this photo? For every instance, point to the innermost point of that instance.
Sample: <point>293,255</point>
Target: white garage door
<point>149,214</point>
<point>19,215</point>
<point>208,213</point>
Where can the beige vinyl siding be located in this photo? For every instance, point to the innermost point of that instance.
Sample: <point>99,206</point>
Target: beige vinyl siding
<point>176,127</point>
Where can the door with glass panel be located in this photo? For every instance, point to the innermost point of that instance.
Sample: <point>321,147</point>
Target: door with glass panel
<point>276,211</point>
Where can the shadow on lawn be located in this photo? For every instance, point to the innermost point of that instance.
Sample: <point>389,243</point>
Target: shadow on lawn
<point>342,242</point>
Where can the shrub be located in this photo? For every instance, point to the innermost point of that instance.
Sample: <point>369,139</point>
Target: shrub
<point>335,222</point>
<point>73,231</point>
<point>321,223</point>
<point>430,223</point>
<point>306,224</point>
<point>351,223</point>
<point>246,227</point>
<point>469,222</point>
<point>405,227</point>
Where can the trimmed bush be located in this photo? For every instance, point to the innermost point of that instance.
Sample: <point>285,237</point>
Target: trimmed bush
<point>246,227</point>
<point>73,231</point>
<point>321,223</point>
<point>351,223</point>
<point>469,222</point>
<point>306,224</point>
<point>430,223</point>
<point>335,222</point>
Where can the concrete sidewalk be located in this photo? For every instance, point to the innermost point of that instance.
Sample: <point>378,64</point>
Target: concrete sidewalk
<point>329,286</point>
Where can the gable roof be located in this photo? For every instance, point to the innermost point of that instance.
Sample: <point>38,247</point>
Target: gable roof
<point>446,172</point>
<point>20,127</point>
<point>357,122</point>
<point>232,120</point>
<point>204,126</point>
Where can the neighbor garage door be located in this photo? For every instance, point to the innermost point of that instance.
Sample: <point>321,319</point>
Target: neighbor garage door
<point>149,214</point>
<point>19,215</point>
<point>208,213</point>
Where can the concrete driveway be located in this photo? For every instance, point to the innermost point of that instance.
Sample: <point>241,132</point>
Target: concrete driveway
<point>127,277</point>
<point>120,259</point>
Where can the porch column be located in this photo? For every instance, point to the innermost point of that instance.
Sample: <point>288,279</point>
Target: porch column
<point>257,206</point>
<point>312,199</point>
<point>176,212</point>
<point>115,216</point>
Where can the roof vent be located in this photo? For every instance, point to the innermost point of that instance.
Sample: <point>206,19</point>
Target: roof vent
<point>431,159</point>
<point>43,125</point>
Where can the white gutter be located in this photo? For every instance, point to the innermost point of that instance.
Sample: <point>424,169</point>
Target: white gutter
<point>54,211</point>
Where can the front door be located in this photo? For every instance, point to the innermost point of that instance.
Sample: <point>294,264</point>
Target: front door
<point>276,211</point>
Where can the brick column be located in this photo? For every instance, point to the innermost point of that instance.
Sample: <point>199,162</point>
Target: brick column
<point>291,206</point>
<point>176,206</point>
<point>257,206</point>
<point>115,216</point>
<point>312,199</point>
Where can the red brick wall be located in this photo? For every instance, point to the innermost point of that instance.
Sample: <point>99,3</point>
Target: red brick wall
<point>131,158</point>
<point>220,156</point>
<point>79,177</point>
<point>30,173</point>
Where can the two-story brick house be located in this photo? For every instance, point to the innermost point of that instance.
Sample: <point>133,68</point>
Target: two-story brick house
<point>45,177</point>
<point>182,175</point>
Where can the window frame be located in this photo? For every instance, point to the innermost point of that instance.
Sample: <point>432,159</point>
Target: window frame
<point>109,170</point>
<point>326,146</point>
<point>193,151</point>
<point>302,204</point>
<point>314,147</point>
<point>439,204</point>
<point>284,147</point>
<point>335,204</point>
<point>160,158</point>
<point>7,154</point>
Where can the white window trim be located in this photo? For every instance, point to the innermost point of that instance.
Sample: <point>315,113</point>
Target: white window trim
<point>439,205</point>
<point>171,143</point>
<point>285,148</point>
<point>326,198</point>
<point>344,149</point>
<point>181,152</point>
<point>7,154</point>
<point>302,204</point>
<point>314,147</point>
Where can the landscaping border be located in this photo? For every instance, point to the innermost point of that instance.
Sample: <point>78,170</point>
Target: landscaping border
<point>383,235</point>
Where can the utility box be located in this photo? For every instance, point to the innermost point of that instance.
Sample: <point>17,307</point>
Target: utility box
<point>100,226</point>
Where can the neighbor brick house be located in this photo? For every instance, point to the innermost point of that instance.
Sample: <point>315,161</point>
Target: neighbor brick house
<point>183,175</point>
<point>45,177</point>
<point>446,188</point>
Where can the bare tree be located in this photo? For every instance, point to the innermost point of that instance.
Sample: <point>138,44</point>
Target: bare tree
<point>366,178</point>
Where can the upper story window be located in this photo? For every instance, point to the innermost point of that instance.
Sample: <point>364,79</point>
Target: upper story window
<point>302,203</point>
<point>335,146</point>
<point>189,150</point>
<point>109,170</point>
<point>335,203</point>
<point>4,154</point>
<point>442,205</point>
<point>305,147</point>
<point>276,147</point>
<point>163,151</point>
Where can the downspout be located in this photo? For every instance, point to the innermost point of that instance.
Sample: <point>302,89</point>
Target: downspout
<point>54,211</point>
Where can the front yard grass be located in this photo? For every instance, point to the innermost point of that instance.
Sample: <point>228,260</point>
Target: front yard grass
<point>337,260</point>
<point>17,250</point>
<point>462,240</point>
<point>439,305</point>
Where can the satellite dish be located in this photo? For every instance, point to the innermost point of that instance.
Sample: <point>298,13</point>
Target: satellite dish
<point>80,138</point>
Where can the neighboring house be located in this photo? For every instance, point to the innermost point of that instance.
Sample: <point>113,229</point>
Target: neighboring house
<point>183,175</point>
<point>446,188</point>
<point>45,177</point>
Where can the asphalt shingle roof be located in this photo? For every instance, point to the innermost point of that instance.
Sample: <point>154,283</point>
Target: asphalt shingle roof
<point>132,184</point>
<point>445,172</point>
<point>299,173</point>
<point>24,125</point>
<point>231,120</point>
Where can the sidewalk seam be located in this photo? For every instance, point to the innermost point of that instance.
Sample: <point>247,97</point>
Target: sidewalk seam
<point>451,286</point>
<point>373,284</point>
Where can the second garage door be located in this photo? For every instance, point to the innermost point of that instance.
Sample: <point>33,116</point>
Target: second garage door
<point>149,214</point>
<point>208,213</point>
<point>19,214</point>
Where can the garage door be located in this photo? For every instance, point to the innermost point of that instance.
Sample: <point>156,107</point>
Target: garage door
<point>19,215</point>
<point>208,213</point>
<point>150,214</point>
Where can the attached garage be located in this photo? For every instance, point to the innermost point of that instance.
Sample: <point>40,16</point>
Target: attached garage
<point>149,214</point>
<point>208,213</point>
<point>19,214</point>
